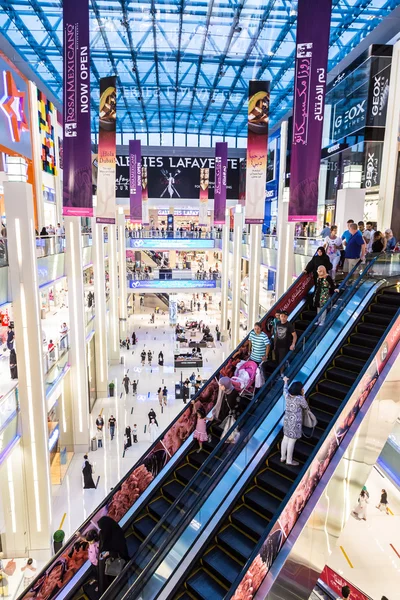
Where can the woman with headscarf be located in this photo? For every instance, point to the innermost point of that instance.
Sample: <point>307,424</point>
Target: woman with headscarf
<point>319,259</point>
<point>87,472</point>
<point>112,546</point>
<point>229,401</point>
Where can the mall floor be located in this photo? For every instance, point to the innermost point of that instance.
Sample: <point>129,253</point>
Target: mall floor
<point>368,552</point>
<point>69,498</point>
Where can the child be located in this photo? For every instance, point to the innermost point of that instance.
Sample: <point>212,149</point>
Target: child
<point>200,433</point>
<point>134,433</point>
<point>134,387</point>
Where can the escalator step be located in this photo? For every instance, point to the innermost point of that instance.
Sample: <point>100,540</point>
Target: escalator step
<point>308,315</point>
<point>331,388</point>
<point>185,473</point>
<point>302,325</point>
<point>159,507</point>
<point>391,298</point>
<point>225,568</point>
<point>270,480</point>
<point>342,376</point>
<point>361,339</point>
<point>356,352</point>
<point>282,468</point>
<point>248,521</point>
<point>198,458</point>
<point>376,318</point>
<point>236,542</point>
<point>172,489</point>
<point>383,309</point>
<point>204,587</point>
<point>371,329</point>
<point>144,526</point>
<point>323,402</point>
<point>133,543</point>
<point>184,596</point>
<point>323,418</point>
<point>262,501</point>
<point>349,363</point>
<point>302,450</point>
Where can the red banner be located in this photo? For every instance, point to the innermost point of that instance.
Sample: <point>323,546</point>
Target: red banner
<point>336,583</point>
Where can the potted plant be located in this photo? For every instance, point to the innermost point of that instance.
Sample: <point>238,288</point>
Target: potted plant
<point>111,387</point>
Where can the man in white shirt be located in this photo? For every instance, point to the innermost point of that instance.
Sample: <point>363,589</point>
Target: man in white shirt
<point>368,235</point>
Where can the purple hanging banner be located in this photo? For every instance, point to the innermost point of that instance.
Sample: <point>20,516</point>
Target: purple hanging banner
<point>77,187</point>
<point>135,179</point>
<point>221,171</point>
<point>312,45</point>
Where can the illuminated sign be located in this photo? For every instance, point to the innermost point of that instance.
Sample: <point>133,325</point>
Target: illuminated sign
<point>173,284</point>
<point>13,105</point>
<point>55,434</point>
<point>168,243</point>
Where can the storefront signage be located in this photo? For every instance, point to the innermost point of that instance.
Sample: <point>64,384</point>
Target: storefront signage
<point>105,210</point>
<point>221,177</point>
<point>312,43</point>
<point>257,150</point>
<point>169,244</point>
<point>373,161</point>
<point>180,284</point>
<point>379,91</point>
<point>135,178</point>
<point>77,186</point>
<point>14,109</point>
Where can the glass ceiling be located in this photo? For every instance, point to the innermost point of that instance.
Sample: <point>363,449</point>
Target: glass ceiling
<point>183,66</point>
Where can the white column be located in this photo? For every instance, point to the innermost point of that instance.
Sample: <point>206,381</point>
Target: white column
<point>100,309</point>
<point>390,146</point>
<point>285,230</point>
<point>225,275</point>
<point>349,205</point>
<point>28,335</point>
<point>254,273</point>
<point>77,334</point>
<point>123,294</point>
<point>36,157</point>
<point>113,316</point>
<point>237,273</point>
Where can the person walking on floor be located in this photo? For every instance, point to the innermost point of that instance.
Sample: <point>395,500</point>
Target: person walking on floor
<point>126,381</point>
<point>128,437</point>
<point>13,364</point>
<point>100,423</point>
<point>165,395</point>
<point>360,510</point>
<point>134,387</point>
<point>143,357</point>
<point>112,423</point>
<point>383,504</point>
<point>161,359</point>
<point>293,421</point>
<point>87,472</point>
<point>134,433</point>
<point>186,393</point>
<point>160,396</point>
<point>153,430</point>
<point>152,416</point>
<point>149,357</point>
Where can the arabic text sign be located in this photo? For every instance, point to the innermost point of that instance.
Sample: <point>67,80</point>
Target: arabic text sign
<point>105,210</point>
<point>221,174</point>
<point>135,178</point>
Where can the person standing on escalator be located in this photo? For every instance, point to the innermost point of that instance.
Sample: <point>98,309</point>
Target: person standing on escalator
<point>324,289</point>
<point>320,258</point>
<point>293,421</point>
<point>285,338</point>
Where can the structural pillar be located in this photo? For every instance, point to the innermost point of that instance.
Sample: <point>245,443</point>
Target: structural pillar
<point>123,294</point>
<point>172,259</point>
<point>37,160</point>
<point>237,273</point>
<point>29,348</point>
<point>100,309</point>
<point>285,230</point>
<point>254,274</point>
<point>225,275</point>
<point>77,334</point>
<point>113,316</point>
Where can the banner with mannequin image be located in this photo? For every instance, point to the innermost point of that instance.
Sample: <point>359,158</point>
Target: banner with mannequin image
<point>312,45</point>
<point>221,176</point>
<point>257,151</point>
<point>77,143</point>
<point>106,205</point>
<point>204,184</point>
<point>135,180</point>
<point>145,198</point>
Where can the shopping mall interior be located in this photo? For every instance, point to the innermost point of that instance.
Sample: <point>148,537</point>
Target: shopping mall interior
<point>200,299</point>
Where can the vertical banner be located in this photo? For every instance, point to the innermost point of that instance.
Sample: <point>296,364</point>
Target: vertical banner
<point>135,180</point>
<point>257,151</point>
<point>221,171</point>
<point>77,145</point>
<point>145,198</point>
<point>105,210</point>
<point>204,183</point>
<point>312,45</point>
<point>242,182</point>
<point>173,309</point>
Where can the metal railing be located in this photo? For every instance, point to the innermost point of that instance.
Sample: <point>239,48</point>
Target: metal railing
<point>176,234</point>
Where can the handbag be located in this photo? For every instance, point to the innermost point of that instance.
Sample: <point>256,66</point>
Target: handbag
<point>309,421</point>
<point>114,566</point>
<point>10,567</point>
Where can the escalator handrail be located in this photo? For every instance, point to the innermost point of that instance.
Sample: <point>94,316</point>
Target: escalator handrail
<point>303,470</point>
<point>76,534</point>
<point>274,377</point>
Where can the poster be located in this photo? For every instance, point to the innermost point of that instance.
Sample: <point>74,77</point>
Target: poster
<point>105,210</point>
<point>77,144</point>
<point>257,149</point>
<point>242,182</point>
<point>135,179</point>
<point>221,175</point>
<point>145,197</point>
<point>204,183</point>
<point>312,44</point>
<point>336,582</point>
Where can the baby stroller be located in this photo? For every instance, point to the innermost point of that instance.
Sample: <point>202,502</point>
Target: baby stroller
<point>247,375</point>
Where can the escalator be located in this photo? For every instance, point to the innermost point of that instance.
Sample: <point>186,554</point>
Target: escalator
<point>216,570</point>
<point>164,299</point>
<point>154,464</point>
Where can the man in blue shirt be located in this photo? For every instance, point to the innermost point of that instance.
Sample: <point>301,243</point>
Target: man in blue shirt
<point>346,234</point>
<point>355,248</point>
<point>259,344</point>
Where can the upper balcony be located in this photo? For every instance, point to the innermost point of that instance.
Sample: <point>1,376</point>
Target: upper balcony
<point>170,240</point>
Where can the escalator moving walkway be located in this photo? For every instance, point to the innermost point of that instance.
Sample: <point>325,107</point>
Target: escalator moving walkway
<point>233,542</point>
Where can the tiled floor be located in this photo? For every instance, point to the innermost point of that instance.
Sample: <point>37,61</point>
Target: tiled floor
<point>110,464</point>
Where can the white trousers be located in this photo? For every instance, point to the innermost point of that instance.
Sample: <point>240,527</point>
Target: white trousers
<point>287,448</point>
<point>335,261</point>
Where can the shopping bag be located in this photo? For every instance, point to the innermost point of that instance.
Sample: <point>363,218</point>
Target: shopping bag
<point>309,421</point>
<point>10,568</point>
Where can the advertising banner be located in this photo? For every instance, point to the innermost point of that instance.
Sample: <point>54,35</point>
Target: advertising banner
<point>221,176</point>
<point>135,178</point>
<point>172,284</point>
<point>336,582</point>
<point>281,529</point>
<point>312,44</point>
<point>242,182</point>
<point>257,151</point>
<point>105,210</point>
<point>204,182</point>
<point>165,244</point>
<point>77,143</point>
<point>145,198</point>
